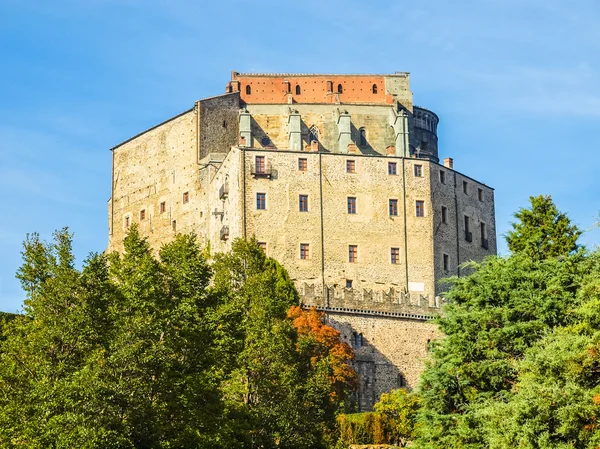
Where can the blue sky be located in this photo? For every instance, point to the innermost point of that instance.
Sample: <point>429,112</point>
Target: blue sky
<point>516,84</point>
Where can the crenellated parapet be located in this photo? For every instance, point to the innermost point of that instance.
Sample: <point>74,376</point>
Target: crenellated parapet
<point>392,302</point>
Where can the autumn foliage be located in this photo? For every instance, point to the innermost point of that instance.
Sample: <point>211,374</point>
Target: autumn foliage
<point>323,344</point>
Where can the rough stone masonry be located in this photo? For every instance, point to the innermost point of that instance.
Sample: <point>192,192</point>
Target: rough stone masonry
<point>338,178</point>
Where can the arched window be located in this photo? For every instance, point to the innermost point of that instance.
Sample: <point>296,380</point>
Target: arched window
<point>313,134</point>
<point>401,380</point>
<point>339,88</point>
<point>297,89</point>
<point>362,137</point>
<point>247,90</point>
<point>374,88</point>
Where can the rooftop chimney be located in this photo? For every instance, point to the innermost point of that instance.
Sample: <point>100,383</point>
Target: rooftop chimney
<point>449,162</point>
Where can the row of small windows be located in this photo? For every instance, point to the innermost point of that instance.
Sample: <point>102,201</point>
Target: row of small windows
<point>304,253</point>
<point>392,170</point>
<point>340,88</point>
<point>351,205</point>
<point>162,208</point>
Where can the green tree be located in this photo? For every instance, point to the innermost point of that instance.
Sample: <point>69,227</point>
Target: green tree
<point>135,351</point>
<point>556,400</point>
<point>281,388</point>
<point>542,231</point>
<point>116,355</point>
<point>397,413</point>
<point>493,318</point>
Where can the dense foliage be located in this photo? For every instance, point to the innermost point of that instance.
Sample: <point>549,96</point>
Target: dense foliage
<point>519,365</point>
<point>134,351</point>
<point>392,422</point>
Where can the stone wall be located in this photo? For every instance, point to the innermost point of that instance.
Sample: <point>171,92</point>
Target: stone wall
<point>156,167</point>
<point>390,352</point>
<point>207,184</point>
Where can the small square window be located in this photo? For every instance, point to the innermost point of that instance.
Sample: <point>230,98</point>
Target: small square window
<point>348,283</point>
<point>263,246</point>
<point>304,251</point>
<point>302,164</point>
<point>442,176</point>
<point>303,203</point>
<point>395,255</point>
<point>163,207</point>
<point>465,185</point>
<point>186,197</point>
<point>350,166</point>
<point>446,259</point>
<point>418,171</point>
<point>142,214</point>
<point>261,201</point>
<point>351,205</point>
<point>420,208</point>
<point>392,168</point>
<point>444,214</point>
<point>393,208</point>
<point>480,194</point>
<point>352,253</point>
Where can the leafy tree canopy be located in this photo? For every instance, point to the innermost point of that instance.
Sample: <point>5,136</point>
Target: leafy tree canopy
<point>494,318</point>
<point>135,351</point>
<point>542,231</point>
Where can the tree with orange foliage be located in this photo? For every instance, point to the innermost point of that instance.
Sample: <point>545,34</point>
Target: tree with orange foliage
<point>321,345</point>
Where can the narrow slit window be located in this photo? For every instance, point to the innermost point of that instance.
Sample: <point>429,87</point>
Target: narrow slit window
<point>362,137</point>
<point>303,203</point>
<point>352,253</point>
<point>259,162</point>
<point>352,205</point>
<point>393,208</point>
<point>374,88</point>
<point>395,256</point>
<point>248,90</point>
<point>261,201</point>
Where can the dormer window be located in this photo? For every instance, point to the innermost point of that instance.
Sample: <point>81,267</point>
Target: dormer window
<point>362,134</point>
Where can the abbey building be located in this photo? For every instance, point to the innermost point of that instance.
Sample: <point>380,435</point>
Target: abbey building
<point>338,177</point>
